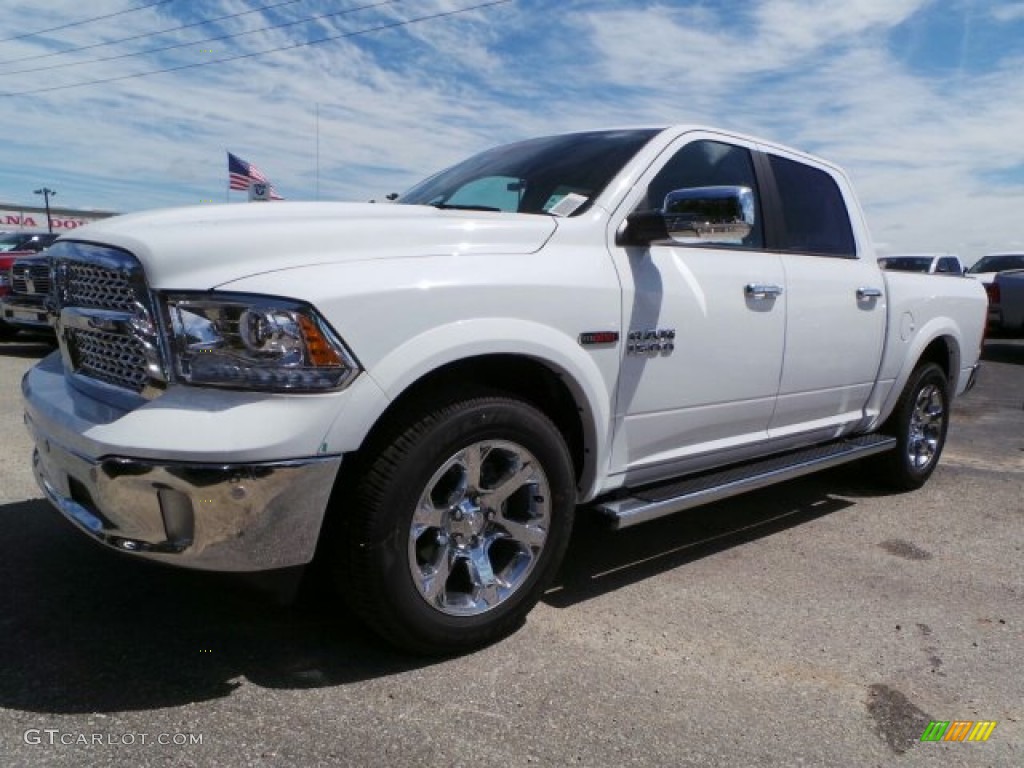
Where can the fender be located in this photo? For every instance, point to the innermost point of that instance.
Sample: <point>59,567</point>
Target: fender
<point>406,364</point>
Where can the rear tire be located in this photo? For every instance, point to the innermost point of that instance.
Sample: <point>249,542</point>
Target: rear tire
<point>457,523</point>
<point>919,423</point>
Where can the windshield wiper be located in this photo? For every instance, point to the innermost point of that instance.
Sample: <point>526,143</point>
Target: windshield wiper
<point>457,207</point>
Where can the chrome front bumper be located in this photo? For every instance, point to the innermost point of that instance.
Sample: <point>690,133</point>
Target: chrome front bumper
<point>220,517</point>
<point>24,313</point>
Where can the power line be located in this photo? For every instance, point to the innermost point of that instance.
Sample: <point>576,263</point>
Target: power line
<point>315,17</point>
<point>194,65</point>
<point>84,21</point>
<point>128,39</point>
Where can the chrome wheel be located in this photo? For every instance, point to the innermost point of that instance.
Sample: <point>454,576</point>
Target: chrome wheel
<point>479,528</point>
<point>926,429</point>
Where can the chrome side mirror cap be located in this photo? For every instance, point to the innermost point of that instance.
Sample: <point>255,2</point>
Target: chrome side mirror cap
<point>709,215</point>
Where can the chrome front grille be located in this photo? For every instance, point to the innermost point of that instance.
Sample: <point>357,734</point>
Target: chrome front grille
<point>105,320</point>
<point>110,357</point>
<point>31,277</point>
<point>89,285</point>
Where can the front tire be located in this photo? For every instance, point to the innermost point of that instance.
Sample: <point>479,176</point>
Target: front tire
<point>458,522</point>
<point>919,423</point>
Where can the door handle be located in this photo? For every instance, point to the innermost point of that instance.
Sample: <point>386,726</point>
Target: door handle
<point>762,291</point>
<point>868,293</point>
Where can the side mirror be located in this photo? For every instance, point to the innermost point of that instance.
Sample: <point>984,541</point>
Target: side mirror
<point>706,215</point>
<point>642,228</point>
<point>694,216</point>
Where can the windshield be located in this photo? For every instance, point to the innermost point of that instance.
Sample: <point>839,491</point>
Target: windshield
<point>998,263</point>
<point>24,241</point>
<point>558,175</point>
<point>907,263</point>
<point>13,241</point>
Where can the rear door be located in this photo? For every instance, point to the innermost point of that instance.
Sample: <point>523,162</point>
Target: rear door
<point>836,308</point>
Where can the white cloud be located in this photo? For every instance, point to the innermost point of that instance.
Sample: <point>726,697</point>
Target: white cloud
<point>933,157</point>
<point>1007,12</point>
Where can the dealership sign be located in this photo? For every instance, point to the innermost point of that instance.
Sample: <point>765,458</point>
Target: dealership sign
<point>14,219</point>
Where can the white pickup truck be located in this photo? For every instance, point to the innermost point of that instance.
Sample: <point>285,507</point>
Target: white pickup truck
<point>423,393</point>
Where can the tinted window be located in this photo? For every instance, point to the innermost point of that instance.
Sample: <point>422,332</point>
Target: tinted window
<point>813,211</point>
<point>949,266</point>
<point>708,164</point>
<point>906,263</point>
<point>998,263</point>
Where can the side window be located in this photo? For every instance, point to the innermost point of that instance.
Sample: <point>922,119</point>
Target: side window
<point>708,164</point>
<point>948,266</point>
<point>813,210</point>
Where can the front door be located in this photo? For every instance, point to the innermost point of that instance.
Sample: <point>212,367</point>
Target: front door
<point>701,372</point>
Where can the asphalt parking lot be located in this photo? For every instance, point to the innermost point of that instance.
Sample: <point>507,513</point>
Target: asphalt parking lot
<point>817,623</point>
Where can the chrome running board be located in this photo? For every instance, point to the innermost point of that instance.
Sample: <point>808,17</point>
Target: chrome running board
<point>651,502</point>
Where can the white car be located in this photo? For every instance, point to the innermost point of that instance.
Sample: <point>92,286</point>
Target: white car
<point>633,322</point>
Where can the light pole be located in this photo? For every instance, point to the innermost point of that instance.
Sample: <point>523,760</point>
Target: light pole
<point>46,192</point>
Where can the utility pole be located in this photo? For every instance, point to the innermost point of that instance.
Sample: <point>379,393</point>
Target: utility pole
<point>46,192</point>
<point>317,151</point>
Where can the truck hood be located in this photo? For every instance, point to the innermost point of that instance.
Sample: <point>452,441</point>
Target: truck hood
<point>201,247</point>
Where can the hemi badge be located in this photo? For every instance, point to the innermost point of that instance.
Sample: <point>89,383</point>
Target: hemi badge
<point>598,337</point>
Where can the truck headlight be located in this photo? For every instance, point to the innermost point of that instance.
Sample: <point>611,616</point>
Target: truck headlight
<point>255,342</point>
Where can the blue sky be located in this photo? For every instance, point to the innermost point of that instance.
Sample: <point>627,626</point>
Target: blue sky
<point>922,102</point>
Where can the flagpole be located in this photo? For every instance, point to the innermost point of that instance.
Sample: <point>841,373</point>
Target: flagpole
<point>317,150</point>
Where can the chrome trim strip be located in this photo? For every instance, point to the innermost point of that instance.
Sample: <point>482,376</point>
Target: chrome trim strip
<point>90,319</point>
<point>632,511</point>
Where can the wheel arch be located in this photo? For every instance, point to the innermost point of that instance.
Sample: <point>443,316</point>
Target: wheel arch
<point>944,351</point>
<point>535,363</point>
<point>941,348</point>
<point>512,375</point>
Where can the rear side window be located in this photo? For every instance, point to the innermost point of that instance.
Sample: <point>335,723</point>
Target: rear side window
<point>813,210</point>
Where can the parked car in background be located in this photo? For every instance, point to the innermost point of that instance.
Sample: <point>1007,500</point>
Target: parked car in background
<point>28,286</point>
<point>13,246</point>
<point>987,267</point>
<point>930,263</point>
<point>1006,301</point>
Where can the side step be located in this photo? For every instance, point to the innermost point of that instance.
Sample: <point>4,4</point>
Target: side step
<point>651,502</point>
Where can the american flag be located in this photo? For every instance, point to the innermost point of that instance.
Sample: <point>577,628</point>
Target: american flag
<point>241,173</point>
